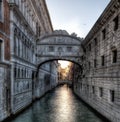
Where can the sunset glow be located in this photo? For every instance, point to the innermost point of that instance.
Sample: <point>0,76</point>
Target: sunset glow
<point>64,64</point>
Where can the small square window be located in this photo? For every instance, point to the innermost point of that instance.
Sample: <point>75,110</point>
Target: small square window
<point>51,48</point>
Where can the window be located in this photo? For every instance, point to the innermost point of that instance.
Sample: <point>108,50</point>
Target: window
<point>1,9</point>
<point>0,50</point>
<point>114,56</point>
<point>112,95</point>
<point>102,60</point>
<point>81,86</point>
<point>37,28</point>
<point>104,34</point>
<point>95,41</point>
<point>15,72</point>
<point>85,51</point>
<point>15,41</point>
<point>100,92</point>
<point>88,88</point>
<point>60,49</point>
<point>69,49</point>
<point>89,65</point>
<point>18,73</point>
<point>95,63</point>
<point>89,47</point>
<point>39,31</point>
<point>51,48</point>
<point>93,89</point>
<point>116,23</point>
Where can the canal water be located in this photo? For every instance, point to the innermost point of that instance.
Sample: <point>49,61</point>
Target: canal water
<point>60,105</point>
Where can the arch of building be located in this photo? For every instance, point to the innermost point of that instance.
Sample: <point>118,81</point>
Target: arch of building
<point>59,45</point>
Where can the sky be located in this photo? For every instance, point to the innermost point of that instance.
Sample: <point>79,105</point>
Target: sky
<point>75,16</point>
<point>64,64</point>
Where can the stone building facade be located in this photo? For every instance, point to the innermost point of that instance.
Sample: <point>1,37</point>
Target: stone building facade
<point>22,22</point>
<point>28,21</point>
<point>99,85</point>
<point>4,59</point>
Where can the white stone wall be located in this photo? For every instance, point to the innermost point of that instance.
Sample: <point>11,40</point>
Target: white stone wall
<point>99,85</point>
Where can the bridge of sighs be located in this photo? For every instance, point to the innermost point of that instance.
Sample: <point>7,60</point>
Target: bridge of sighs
<point>59,45</point>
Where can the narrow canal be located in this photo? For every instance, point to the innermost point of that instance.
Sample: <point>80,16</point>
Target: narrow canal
<point>60,105</point>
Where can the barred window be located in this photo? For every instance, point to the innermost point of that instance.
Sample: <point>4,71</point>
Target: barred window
<point>51,48</point>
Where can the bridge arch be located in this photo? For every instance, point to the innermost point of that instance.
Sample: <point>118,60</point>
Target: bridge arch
<point>59,45</point>
<point>50,60</point>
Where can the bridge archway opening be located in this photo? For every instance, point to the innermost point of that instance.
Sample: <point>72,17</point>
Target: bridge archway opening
<point>59,59</point>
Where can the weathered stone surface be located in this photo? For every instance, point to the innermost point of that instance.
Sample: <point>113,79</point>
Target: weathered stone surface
<point>99,84</point>
<point>59,45</point>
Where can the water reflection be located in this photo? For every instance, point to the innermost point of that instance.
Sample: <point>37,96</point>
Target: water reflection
<point>58,106</point>
<point>64,107</point>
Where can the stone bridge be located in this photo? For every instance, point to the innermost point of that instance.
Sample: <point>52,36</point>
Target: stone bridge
<point>59,45</point>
